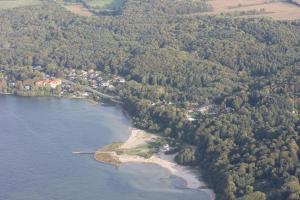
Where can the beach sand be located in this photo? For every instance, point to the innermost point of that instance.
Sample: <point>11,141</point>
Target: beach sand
<point>139,137</point>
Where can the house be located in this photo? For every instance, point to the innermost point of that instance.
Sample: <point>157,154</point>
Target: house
<point>54,83</point>
<point>121,80</point>
<point>94,86</point>
<point>111,87</point>
<point>83,73</point>
<point>41,83</point>
<point>85,94</point>
<point>204,109</point>
<point>91,71</point>
<point>11,84</point>
<point>166,148</point>
<point>105,84</point>
<point>92,76</point>
<point>37,67</point>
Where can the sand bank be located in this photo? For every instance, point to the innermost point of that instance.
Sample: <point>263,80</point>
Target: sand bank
<point>138,138</point>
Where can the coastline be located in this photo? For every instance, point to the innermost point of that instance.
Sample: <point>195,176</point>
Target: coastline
<point>139,137</point>
<point>90,101</point>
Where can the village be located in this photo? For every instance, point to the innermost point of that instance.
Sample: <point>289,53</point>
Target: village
<point>73,83</point>
<point>86,84</point>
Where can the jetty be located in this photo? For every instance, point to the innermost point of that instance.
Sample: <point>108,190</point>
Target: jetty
<point>83,152</point>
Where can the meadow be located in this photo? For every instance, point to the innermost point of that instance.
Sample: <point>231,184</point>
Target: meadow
<point>90,7</point>
<point>104,4</point>
<point>276,10</point>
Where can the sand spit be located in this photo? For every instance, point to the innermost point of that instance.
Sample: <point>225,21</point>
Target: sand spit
<point>139,137</point>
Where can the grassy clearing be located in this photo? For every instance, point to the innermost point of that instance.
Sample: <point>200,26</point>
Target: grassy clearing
<point>112,147</point>
<point>145,150</point>
<point>78,9</point>
<point>104,4</point>
<point>9,4</point>
<point>89,8</point>
<point>109,153</point>
<point>107,158</point>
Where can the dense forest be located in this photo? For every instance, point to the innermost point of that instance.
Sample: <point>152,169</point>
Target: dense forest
<point>247,69</point>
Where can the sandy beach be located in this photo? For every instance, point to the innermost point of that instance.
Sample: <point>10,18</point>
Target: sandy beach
<point>139,137</point>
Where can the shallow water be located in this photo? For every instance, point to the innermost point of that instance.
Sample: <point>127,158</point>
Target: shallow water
<point>37,136</point>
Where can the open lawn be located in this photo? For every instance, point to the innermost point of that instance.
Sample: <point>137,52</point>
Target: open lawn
<point>8,4</point>
<point>276,10</point>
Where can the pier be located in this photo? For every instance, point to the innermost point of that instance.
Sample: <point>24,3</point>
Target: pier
<point>83,152</point>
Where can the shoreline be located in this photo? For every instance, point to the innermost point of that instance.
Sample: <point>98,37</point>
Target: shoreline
<point>139,137</point>
<point>90,101</point>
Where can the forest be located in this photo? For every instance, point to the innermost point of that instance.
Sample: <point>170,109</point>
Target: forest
<point>173,61</point>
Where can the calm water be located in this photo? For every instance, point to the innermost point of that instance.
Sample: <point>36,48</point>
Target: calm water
<point>37,136</point>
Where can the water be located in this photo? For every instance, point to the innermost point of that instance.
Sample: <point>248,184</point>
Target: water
<point>37,136</point>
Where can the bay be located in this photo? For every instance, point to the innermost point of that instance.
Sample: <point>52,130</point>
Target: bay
<point>37,137</point>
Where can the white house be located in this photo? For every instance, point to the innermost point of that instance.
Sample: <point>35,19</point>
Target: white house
<point>105,84</point>
<point>204,109</point>
<point>166,147</point>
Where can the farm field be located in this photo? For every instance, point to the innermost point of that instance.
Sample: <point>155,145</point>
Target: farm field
<point>8,4</point>
<point>276,10</point>
<point>78,9</point>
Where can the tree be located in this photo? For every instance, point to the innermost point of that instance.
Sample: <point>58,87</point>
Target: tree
<point>254,196</point>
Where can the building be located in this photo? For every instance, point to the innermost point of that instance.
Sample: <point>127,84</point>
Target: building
<point>41,83</point>
<point>37,67</point>
<point>52,83</point>
<point>105,84</point>
<point>166,148</point>
<point>204,109</point>
<point>121,80</point>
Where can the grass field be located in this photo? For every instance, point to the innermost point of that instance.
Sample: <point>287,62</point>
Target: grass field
<point>90,7</point>
<point>8,4</point>
<point>276,10</point>
<point>104,4</point>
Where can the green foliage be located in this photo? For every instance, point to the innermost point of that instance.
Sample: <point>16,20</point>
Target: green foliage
<point>248,69</point>
<point>186,156</point>
<point>254,196</point>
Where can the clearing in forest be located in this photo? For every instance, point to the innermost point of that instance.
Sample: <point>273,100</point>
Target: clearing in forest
<point>99,5</point>
<point>8,4</point>
<point>276,10</point>
<point>78,9</point>
<point>90,7</point>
